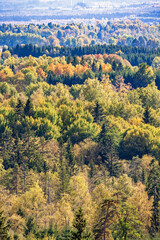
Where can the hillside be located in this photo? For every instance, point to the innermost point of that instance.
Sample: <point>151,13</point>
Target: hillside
<point>79,138</point>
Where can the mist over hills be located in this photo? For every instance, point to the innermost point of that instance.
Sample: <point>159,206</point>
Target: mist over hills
<point>29,10</point>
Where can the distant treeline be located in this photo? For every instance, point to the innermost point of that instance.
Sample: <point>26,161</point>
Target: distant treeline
<point>135,55</point>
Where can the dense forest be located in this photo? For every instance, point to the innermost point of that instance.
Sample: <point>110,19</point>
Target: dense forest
<point>116,32</point>
<point>79,147</point>
<point>135,55</point>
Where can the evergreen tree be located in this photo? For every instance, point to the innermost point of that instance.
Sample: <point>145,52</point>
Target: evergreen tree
<point>70,157</point>
<point>69,59</point>
<point>82,62</point>
<point>79,223</point>
<point>4,228</point>
<point>28,109</point>
<point>98,113</point>
<point>75,61</point>
<point>153,189</point>
<point>114,66</point>
<point>108,150</point>
<point>107,215</point>
<point>146,116</point>
<point>19,110</point>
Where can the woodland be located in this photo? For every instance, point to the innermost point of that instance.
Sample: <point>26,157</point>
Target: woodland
<point>80,140</point>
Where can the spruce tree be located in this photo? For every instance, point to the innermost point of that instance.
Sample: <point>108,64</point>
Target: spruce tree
<point>70,157</point>
<point>107,215</point>
<point>28,109</point>
<point>69,59</point>
<point>79,223</point>
<point>98,113</point>
<point>153,189</point>
<point>108,150</point>
<point>75,61</point>
<point>146,116</point>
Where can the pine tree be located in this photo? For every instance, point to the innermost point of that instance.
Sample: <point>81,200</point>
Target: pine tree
<point>98,113</point>
<point>19,110</point>
<point>70,157</point>
<point>108,150</point>
<point>28,109</point>
<point>75,61</point>
<point>82,62</point>
<point>153,189</point>
<point>79,223</point>
<point>146,116</point>
<point>69,59</point>
<point>4,228</point>
<point>107,215</point>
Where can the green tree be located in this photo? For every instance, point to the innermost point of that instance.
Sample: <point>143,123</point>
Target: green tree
<point>108,150</point>
<point>28,109</point>
<point>79,223</point>
<point>107,215</point>
<point>128,226</point>
<point>153,189</point>
<point>70,157</point>
<point>98,112</point>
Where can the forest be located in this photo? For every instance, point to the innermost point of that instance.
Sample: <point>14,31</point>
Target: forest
<point>133,33</point>
<point>79,146</point>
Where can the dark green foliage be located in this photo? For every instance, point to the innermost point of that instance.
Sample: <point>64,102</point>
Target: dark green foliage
<point>128,226</point>
<point>98,113</point>
<point>75,61</point>
<point>4,228</point>
<point>142,78</point>
<point>69,59</point>
<point>28,109</point>
<point>153,189</point>
<point>135,55</point>
<point>70,158</point>
<point>79,223</point>
<point>66,234</point>
<point>146,116</point>
<point>108,150</point>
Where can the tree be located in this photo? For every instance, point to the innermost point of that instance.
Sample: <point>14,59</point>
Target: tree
<point>79,223</point>
<point>108,149</point>
<point>129,226</point>
<point>107,215</point>
<point>146,116</point>
<point>98,112</point>
<point>70,157</point>
<point>143,76</point>
<point>75,60</point>
<point>28,109</point>
<point>153,189</point>
<point>136,169</point>
<point>69,59</point>
<point>4,228</point>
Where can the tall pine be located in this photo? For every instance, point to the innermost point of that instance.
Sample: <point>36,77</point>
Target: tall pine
<point>153,189</point>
